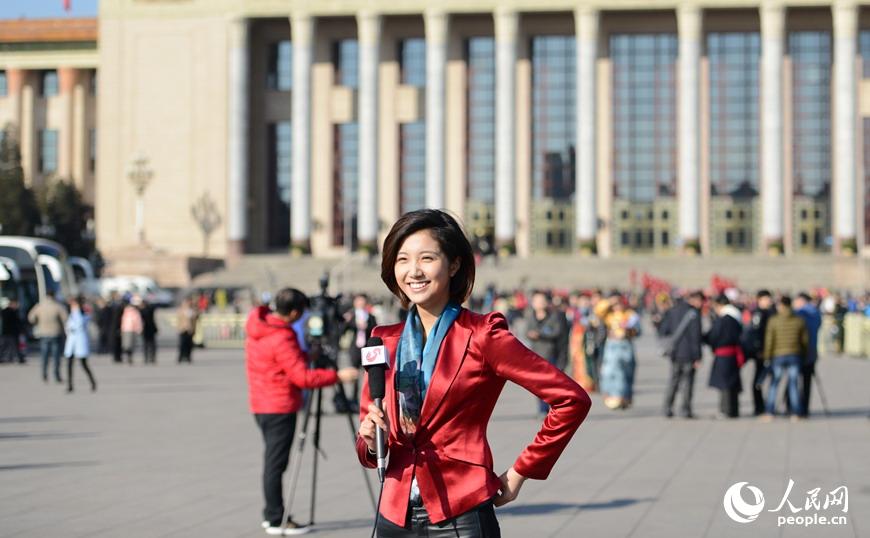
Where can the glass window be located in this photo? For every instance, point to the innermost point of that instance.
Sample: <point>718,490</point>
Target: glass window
<point>866,124</point>
<point>412,136</point>
<point>92,82</point>
<point>346,62</point>
<point>480,163</point>
<point>644,115</point>
<point>864,51</point>
<point>47,151</point>
<point>279,169</point>
<point>734,63</point>
<point>412,61</point>
<point>346,158</point>
<point>553,117</point>
<point>810,52</point>
<point>4,85</point>
<point>49,83</point>
<point>279,76</point>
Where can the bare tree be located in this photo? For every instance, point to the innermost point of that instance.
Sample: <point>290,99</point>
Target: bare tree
<point>206,215</point>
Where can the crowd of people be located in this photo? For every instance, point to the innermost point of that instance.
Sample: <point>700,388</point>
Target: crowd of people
<point>591,335</point>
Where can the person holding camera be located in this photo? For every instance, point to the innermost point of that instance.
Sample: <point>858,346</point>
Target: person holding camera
<point>277,370</point>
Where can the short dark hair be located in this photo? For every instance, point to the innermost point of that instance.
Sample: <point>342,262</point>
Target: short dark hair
<point>722,300</point>
<point>697,294</point>
<point>290,299</point>
<point>451,239</point>
<point>785,301</point>
<point>762,293</point>
<point>805,296</point>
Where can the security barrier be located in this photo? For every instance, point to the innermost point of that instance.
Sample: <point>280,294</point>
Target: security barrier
<point>220,331</point>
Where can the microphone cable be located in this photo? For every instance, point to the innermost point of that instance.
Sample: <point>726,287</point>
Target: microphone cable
<point>378,511</point>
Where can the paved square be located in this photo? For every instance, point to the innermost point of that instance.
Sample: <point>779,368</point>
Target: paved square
<point>171,450</point>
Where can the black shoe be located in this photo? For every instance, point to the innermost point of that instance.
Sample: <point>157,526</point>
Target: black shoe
<point>70,389</point>
<point>688,416</point>
<point>669,413</point>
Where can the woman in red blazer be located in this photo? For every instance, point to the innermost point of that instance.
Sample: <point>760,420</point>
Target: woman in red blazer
<point>448,367</point>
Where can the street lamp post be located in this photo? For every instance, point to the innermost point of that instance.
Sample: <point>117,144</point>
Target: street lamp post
<point>140,176</point>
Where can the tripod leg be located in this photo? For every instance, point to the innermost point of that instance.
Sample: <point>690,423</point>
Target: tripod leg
<point>316,453</point>
<point>818,384</point>
<point>352,426</point>
<point>296,464</point>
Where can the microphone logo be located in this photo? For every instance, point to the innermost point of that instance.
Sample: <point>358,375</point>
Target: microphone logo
<point>373,355</point>
<point>738,509</point>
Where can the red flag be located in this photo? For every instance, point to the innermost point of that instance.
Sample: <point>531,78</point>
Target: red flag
<point>67,5</point>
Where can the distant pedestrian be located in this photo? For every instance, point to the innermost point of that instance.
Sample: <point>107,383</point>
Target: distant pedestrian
<point>10,335</point>
<point>48,318</point>
<point>544,330</point>
<point>103,319</point>
<point>131,327</point>
<point>78,347</point>
<point>360,322</point>
<point>805,308</point>
<point>186,318</point>
<point>724,339</point>
<point>785,346</point>
<point>113,329</point>
<point>618,361</point>
<point>754,344</point>
<point>149,332</point>
<point>682,326</point>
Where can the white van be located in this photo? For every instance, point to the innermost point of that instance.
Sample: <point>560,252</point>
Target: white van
<point>143,286</point>
<point>42,266</point>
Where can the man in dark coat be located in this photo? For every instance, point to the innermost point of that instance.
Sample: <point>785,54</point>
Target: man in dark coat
<point>682,324</point>
<point>149,332</point>
<point>359,321</point>
<point>544,331</point>
<point>764,310</point>
<point>724,339</point>
<point>113,329</point>
<point>12,328</point>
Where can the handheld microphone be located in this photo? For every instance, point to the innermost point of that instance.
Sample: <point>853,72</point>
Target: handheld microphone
<point>376,362</point>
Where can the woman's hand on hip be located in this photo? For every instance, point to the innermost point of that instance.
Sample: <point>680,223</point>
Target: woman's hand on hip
<point>511,482</point>
<point>374,419</point>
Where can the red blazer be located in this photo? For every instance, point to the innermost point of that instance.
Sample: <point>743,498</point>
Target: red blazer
<point>450,455</point>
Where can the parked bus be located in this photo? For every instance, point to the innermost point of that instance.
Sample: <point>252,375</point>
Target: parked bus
<point>42,266</point>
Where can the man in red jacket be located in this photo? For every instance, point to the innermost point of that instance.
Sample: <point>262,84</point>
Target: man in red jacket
<point>277,373</point>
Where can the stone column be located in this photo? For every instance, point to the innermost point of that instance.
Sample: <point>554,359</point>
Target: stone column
<point>689,20</point>
<point>237,143</point>
<point>436,22</point>
<point>586,27</point>
<point>369,38</point>
<point>845,109</point>
<point>67,78</point>
<point>302,33</point>
<point>506,28</point>
<point>14,85</point>
<point>772,45</point>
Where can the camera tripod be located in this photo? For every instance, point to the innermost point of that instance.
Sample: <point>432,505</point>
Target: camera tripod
<point>315,399</point>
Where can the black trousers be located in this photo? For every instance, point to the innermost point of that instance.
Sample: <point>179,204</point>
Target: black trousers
<point>278,430</point>
<point>479,522</point>
<point>69,372</point>
<point>682,374</point>
<point>729,404</point>
<point>761,372</point>
<point>149,345</point>
<point>807,372</point>
<point>185,346</point>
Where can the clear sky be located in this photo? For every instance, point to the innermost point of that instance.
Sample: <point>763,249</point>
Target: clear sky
<point>39,9</point>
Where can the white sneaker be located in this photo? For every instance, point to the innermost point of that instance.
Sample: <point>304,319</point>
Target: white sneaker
<point>265,524</point>
<point>290,529</point>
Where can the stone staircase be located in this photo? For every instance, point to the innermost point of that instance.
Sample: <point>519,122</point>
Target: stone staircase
<point>352,273</point>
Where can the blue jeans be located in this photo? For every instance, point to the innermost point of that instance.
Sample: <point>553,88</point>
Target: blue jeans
<point>49,346</point>
<point>790,364</point>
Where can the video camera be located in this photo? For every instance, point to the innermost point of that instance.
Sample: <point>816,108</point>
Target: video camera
<point>323,327</point>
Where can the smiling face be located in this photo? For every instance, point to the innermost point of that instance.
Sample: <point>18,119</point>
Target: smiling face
<point>423,271</point>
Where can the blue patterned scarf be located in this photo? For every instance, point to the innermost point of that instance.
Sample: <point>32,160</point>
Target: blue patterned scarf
<point>416,363</point>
